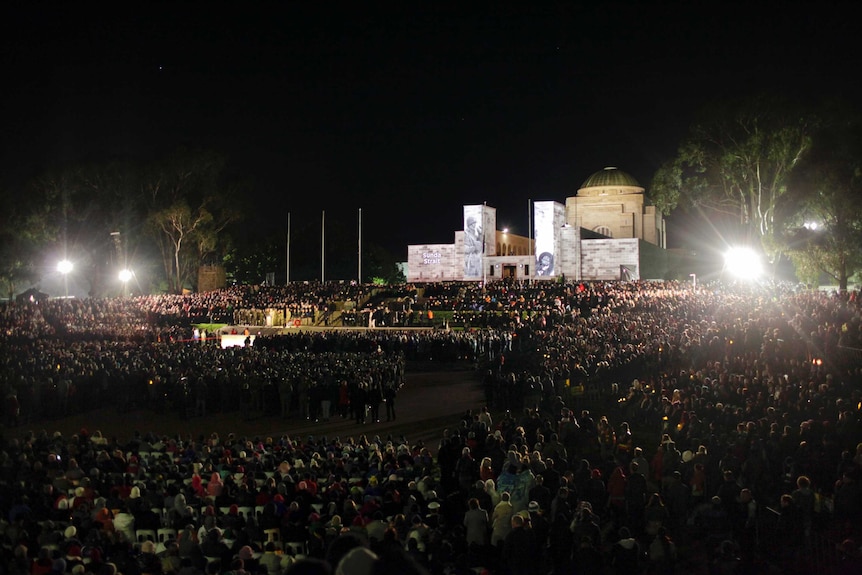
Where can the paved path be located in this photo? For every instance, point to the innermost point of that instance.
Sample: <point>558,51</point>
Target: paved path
<point>428,403</point>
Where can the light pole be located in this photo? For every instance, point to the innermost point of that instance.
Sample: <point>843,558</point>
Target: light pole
<point>693,281</point>
<point>65,267</point>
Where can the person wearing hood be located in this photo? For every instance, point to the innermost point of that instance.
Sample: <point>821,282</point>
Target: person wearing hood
<point>58,567</point>
<point>357,561</point>
<point>148,562</point>
<point>626,553</point>
<point>214,546</point>
<point>124,523</point>
<point>274,562</point>
<point>187,540</point>
<point>215,487</point>
<point>501,520</point>
<point>250,564</point>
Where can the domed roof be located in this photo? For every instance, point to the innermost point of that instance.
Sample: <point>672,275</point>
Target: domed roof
<point>610,177</point>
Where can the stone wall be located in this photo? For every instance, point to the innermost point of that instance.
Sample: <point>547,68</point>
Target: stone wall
<point>570,252</point>
<point>211,278</point>
<point>433,262</point>
<point>601,259</point>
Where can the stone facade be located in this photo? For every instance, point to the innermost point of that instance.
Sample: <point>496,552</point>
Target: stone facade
<point>570,252</point>
<point>433,262</point>
<point>211,278</point>
<point>604,259</point>
<point>625,239</point>
<point>612,203</point>
<point>512,245</point>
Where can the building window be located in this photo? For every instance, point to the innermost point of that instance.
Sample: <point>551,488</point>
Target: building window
<point>604,230</point>
<point>491,270</point>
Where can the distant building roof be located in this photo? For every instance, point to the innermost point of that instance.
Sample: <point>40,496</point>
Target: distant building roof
<point>610,177</point>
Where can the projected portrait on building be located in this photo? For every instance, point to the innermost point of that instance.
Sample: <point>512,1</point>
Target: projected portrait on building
<point>473,241</point>
<point>543,213</point>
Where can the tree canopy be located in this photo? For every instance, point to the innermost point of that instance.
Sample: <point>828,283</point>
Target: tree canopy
<point>163,219</point>
<point>736,162</point>
<point>188,208</point>
<point>105,217</point>
<point>822,211</point>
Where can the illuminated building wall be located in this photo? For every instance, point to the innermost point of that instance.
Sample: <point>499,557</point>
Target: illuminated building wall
<point>433,262</point>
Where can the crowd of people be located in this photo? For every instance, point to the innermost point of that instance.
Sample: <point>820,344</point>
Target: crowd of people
<point>729,439</point>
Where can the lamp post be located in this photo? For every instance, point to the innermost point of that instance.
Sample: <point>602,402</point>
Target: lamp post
<point>65,267</point>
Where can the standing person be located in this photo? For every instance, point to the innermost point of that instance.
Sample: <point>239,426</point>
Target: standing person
<point>588,558</point>
<point>375,396</point>
<point>285,395</point>
<point>662,553</point>
<point>12,409</point>
<point>315,400</point>
<point>626,553</point>
<point>804,499</point>
<point>635,497</point>
<point>245,400</point>
<point>304,382</point>
<point>326,398</point>
<point>466,470</point>
<point>676,494</point>
<point>199,389</point>
<point>389,393</point>
<point>357,402</point>
<point>501,520</point>
<point>520,548</point>
<point>343,399</point>
<point>476,523</point>
<point>617,494</point>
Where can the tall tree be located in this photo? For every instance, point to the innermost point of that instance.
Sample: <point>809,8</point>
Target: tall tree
<point>823,208</point>
<point>253,256</point>
<point>737,162</point>
<point>87,206</point>
<point>188,211</point>
<point>176,228</point>
<point>104,211</point>
<point>25,229</point>
<point>380,265</point>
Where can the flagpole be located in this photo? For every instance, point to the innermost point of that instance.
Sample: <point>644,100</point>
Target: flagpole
<point>360,246</point>
<point>322,245</point>
<point>287,261</point>
<point>530,237</point>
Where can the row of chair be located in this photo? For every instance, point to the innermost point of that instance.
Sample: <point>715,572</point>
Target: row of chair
<point>273,536</point>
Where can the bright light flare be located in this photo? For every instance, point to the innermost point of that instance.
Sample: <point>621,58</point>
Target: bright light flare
<point>64,267</point>
<point>743,263</point>
<point>125,275</point>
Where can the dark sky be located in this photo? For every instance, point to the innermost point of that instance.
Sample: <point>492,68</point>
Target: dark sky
<point>407,113</point>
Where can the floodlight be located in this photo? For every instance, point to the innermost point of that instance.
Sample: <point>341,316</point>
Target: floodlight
<point>64,267</point>
<point>744,263</point>
<point>125,275</point>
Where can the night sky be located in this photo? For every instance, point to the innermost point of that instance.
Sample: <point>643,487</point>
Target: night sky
<point>407,113</point>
